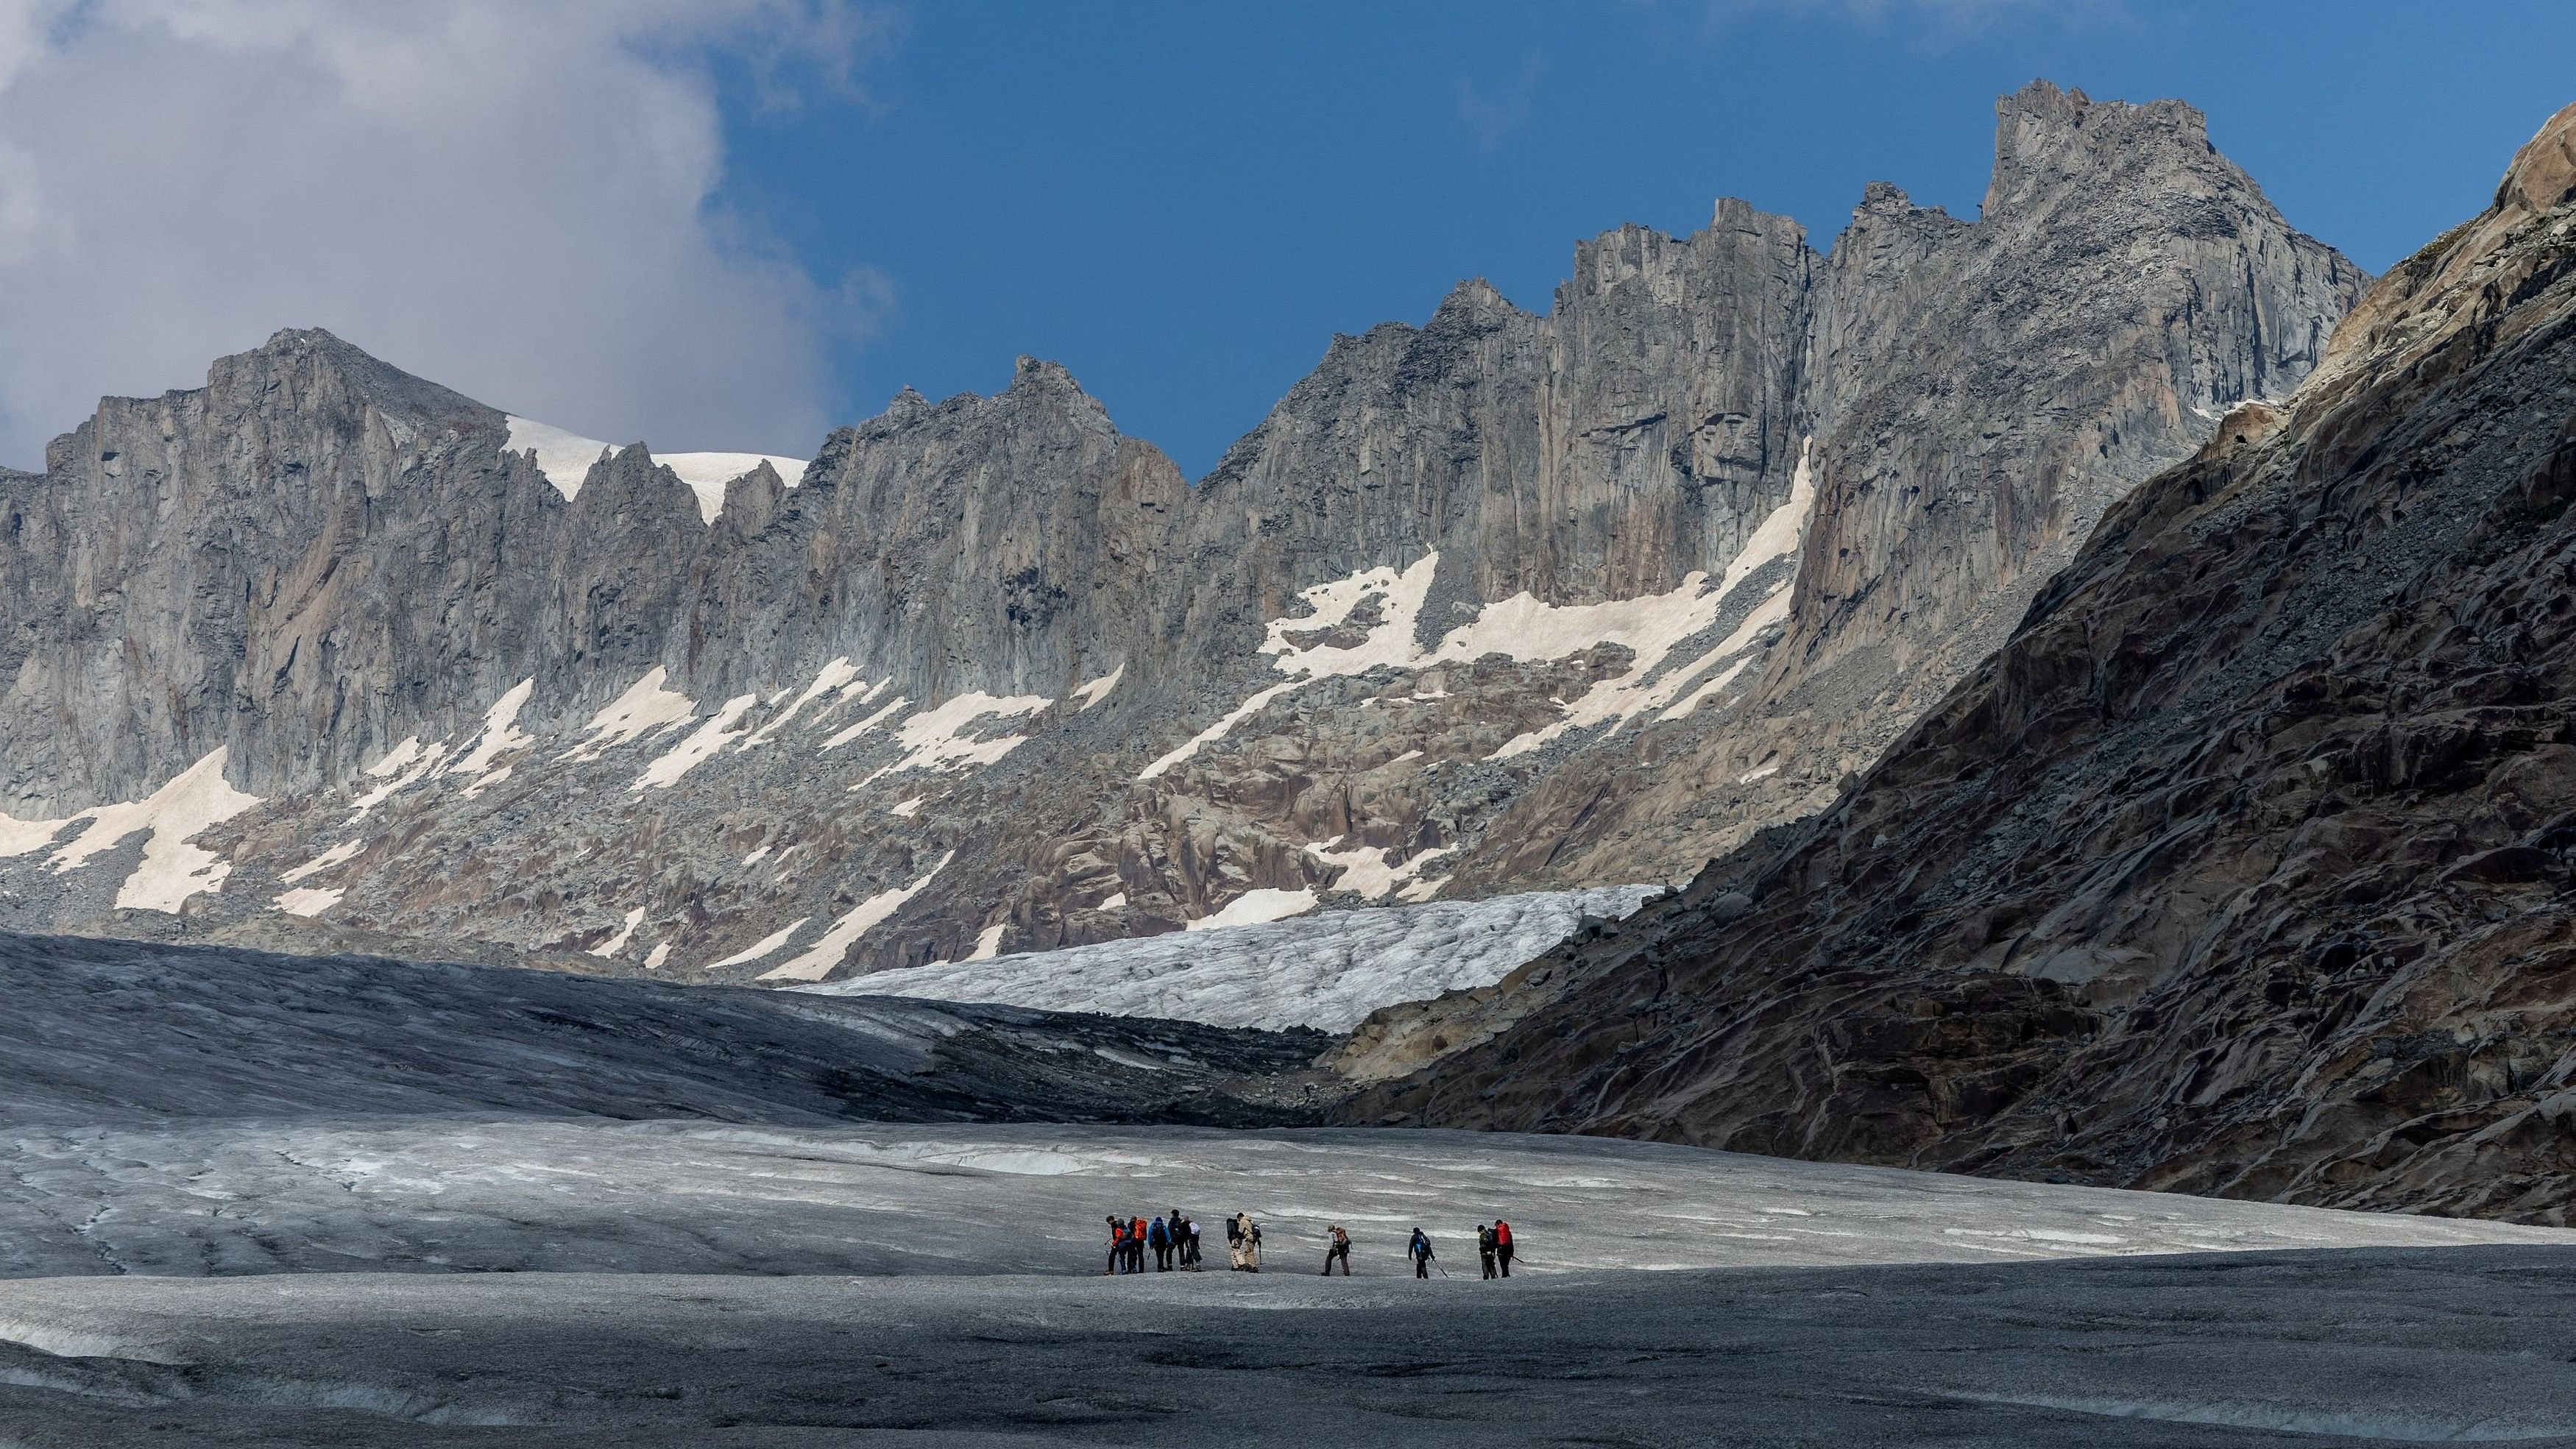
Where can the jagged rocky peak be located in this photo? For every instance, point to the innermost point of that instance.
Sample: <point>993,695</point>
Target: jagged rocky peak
<point>2045,136</point>
<point>2110,233</point>
<point>298,373</point>
<point>2245,867</point>
<point>1473,305</point>
<point>1490,601</point>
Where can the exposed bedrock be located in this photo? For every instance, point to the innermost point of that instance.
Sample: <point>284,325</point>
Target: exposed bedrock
<point>2244,868</point>
<point>1501,601</point>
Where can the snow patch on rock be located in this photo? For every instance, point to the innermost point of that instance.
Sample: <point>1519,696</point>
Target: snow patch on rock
<point>24,837</point>
<point>645,708</point>
<point>1650,627</point>
<point>311,901</point>
<point>1365,869</point>
<point>341,853</point>
<point>1219,730</point>
<point>1525,629</point>
<point>936,739</point>
<point>172,869</point>
<point>819,960</point>
<point>1255,906</point>
<point>764,946</point>
<point>1092,692</point>
<point>500,733</point>
<point>1329,606</point>
<point>403,766</point>
<point>703,742</point>
<point>1705,692</point>
<point>865,725</point>
<point>617,943</point>
<point>836,676</point>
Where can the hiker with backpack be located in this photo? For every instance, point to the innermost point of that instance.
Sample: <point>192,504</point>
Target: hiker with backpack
<point>1503,1246</point>
<point>1117,1247</point>
<point>1158,1236</point>
<point>1419,1250</point>
<point>1485,1247</point>
<point>1188,1238</point>
<point>1136,1245</point>
<point>1243,1238</point>
<point>1337,1245</point>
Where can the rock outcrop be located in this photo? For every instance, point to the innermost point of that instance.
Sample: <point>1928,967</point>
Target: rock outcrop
<point>324,656</point>
<point>2244,868</point>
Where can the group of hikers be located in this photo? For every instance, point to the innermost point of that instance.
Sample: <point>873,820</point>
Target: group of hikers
<point>1174,1241</point>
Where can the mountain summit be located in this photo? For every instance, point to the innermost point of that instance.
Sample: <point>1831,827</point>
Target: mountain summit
<point>2244,868</point>
<point>321,655</point>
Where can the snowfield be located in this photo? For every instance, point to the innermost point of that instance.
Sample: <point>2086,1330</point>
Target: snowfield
<point>1326,971</point>
<point>593,1196</point>
<point>667,1284</point>
<point>566,458</point>
<point>263,1200</point>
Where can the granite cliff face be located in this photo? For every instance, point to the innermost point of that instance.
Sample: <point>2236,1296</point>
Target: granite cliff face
<point>1977,395</point>
<point>2244,868</point>
<point>323,656</point>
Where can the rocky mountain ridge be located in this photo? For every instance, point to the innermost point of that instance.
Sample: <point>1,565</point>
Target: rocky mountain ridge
<point>323,656</point>
<point>2244,868</point>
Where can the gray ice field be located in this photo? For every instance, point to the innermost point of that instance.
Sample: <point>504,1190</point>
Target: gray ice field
<point>743,1263</point>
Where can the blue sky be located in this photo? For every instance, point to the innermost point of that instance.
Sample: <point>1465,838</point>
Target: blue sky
<point>1182,202</point>
<point>733,224</point>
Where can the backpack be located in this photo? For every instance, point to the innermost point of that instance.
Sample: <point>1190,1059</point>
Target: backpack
<point>1136,1230</point>
<point>1421,1245</point>
<point>1158,1233</point>
<point>1502,1234</point>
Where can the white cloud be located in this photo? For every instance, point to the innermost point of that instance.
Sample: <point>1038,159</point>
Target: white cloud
<point>516,199</point>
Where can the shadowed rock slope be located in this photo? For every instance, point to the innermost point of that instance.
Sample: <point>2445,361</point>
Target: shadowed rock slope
<point>114,1032</point>
<point>2244,869</point>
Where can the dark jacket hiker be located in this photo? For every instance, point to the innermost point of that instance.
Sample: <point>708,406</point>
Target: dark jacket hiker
<point>1337,1246</point>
